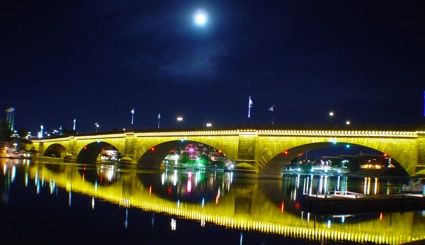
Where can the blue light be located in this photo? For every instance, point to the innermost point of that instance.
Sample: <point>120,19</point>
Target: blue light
<point>347,146</point>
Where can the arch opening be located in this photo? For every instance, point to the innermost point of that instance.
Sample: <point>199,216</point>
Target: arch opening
<point>98,152</point>
<point>332,156</point>
<point>55,150</point>
<point>184,154</point>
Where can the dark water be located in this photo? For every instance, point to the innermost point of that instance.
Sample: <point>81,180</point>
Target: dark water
<point>54,203</point>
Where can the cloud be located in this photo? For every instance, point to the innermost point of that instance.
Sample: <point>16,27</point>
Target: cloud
<point>194,64</point>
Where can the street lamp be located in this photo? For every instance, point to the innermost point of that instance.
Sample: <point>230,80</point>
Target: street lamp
<point>331,115</point>
<point>347,123</point>
<point>96,125</point>
<point>179,119</point>
<point>209,124</point>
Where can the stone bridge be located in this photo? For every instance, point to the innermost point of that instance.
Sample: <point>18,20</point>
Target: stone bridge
<point>266,150</point>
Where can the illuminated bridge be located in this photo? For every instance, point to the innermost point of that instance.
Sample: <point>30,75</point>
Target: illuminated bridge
<point>265,150</point>
<point>247,208</point>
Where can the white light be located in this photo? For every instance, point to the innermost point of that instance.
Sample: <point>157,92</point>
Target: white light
<point>209,124</point>
<point>200,17</point>
<point>179,119</point>
<point>347,122</point>
<point>173,224</point>
<point>331,114</point>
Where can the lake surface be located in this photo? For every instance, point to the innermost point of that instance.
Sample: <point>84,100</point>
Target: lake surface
<point>55,203</point>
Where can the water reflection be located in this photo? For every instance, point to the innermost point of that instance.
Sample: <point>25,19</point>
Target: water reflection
<point>188,186</point>
<point>213,198</point>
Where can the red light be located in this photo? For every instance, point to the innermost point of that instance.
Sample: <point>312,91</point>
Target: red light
<point>300,155</point>
<point>219,151</point>
<point>285,152</point>
<point>152,149</point>
<point>85,148</point>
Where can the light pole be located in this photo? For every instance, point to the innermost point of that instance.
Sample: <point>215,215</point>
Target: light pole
<point>96,125</point>
<point>331,115</point>
<point>179,119</point>
<point>74,124</point>
<point>159,119</point>
<point>132,116</point>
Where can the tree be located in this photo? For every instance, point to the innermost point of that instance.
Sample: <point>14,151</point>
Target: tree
<point>184,158</point>
<point>5,132</point>
<point>203,159</point>
<point>22,132</point>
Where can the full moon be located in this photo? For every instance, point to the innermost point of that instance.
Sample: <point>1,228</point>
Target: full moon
<point>200,17</point>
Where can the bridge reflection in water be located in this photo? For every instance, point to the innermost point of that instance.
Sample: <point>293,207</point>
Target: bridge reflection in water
<point>241,204</point>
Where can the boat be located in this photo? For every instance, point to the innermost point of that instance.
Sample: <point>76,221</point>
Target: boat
<point>350,202</point>
<point>415,186</point>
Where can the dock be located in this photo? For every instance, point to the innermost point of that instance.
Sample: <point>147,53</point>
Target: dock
<point>350,202</point>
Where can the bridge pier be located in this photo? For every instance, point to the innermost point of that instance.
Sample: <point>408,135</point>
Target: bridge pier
<point>421,153</point>
<point>40,150</point>
<point>246,163</point>
<point>73,146</point>
<point>129,146</point>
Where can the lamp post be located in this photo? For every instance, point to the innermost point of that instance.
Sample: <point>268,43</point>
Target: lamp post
<point>96,125</point>
<point>132,116</point>
<point>331,115</point>
<point>179,119</point>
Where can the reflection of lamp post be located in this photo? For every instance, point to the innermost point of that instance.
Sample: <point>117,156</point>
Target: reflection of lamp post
<point>96,125</point>
<point>331,115</point>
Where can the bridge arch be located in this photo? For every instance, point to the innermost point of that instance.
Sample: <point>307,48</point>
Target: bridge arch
<point>153,157</point>
<point>90,152</point>
<point>277,162</point>
<point>55,150</point>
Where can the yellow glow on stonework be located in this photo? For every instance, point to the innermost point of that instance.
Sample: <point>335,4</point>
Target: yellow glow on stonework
<point>403,146</point>
<point>263,217</point>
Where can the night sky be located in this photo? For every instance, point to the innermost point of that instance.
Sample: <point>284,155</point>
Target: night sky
<point>96,60</point>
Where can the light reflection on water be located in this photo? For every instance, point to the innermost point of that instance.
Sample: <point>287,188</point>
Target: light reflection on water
<point>220,199</point>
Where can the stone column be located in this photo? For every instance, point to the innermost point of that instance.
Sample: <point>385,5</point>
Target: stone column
<point>73,144</point>
<point>421,152</point>
<point>129,147</point>
<point>40,150</point>
<point>246,153</point>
